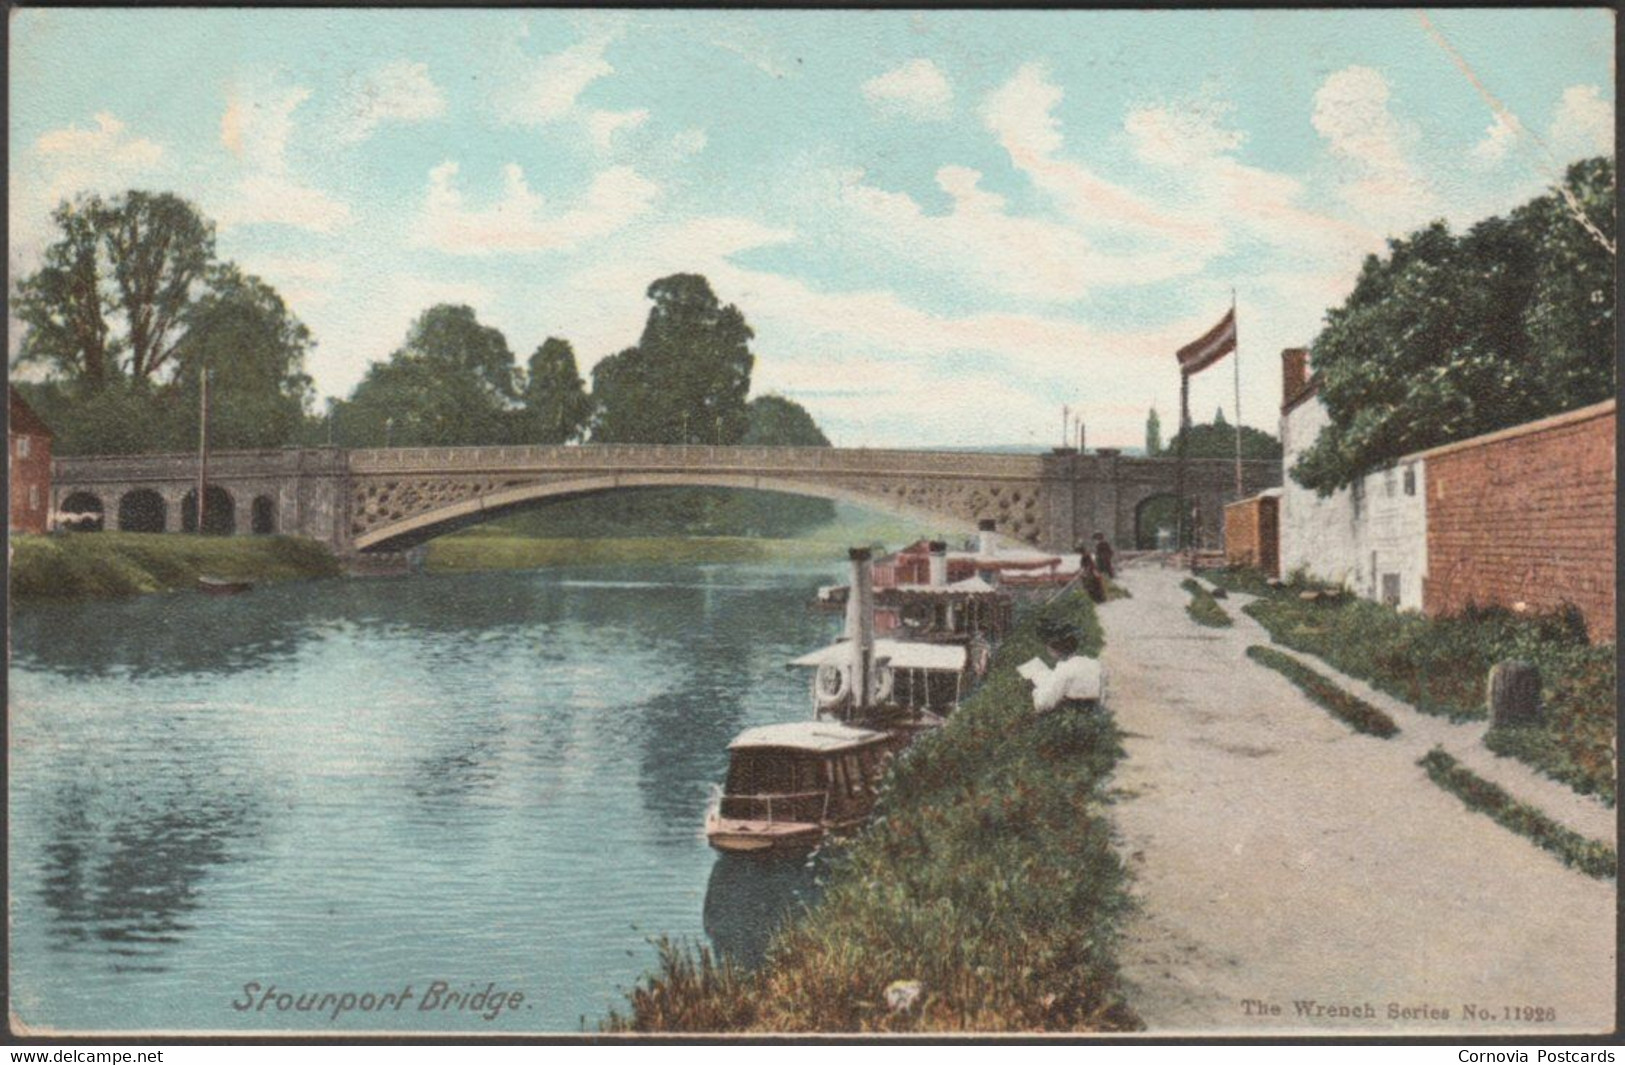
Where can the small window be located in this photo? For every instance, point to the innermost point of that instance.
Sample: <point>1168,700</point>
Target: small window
<point>1388,483</point>
<point>22,446</point>
<point>1390,589</point>
<point>33,497</point>
<point>1410,480</point>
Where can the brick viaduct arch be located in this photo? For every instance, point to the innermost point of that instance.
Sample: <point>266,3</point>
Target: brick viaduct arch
<point>380,500</point>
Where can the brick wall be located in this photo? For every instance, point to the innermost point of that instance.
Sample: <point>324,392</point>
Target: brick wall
<point>1252,534</point>
<point>28,463</point>
<point>1526,515</point>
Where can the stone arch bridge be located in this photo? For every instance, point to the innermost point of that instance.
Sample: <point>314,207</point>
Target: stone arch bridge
<point>388,499</point>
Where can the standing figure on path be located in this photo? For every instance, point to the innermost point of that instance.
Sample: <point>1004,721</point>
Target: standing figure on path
<point>1088,576</point>
<point>1103,556</point>
<point>1076,681</point>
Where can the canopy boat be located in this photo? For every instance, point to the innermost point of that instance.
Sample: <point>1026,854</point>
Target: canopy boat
<point>790,785</point>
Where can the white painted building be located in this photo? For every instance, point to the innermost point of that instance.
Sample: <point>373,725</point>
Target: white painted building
<point>1372,537</point>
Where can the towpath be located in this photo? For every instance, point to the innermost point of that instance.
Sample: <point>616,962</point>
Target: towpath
<point>1281,859</point>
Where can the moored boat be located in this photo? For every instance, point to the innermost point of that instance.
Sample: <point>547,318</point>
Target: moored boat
<point>790,785</point>
<point>221,586</point>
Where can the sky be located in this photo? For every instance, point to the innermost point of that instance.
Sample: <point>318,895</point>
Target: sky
<point>942,226</point>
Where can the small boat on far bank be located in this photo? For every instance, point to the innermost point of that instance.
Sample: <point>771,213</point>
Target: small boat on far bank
<point>221,586</point>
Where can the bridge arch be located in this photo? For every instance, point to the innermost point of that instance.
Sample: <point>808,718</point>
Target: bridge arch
<point>142,510</point>
<point>88,504</point>
<point>219,512</point>
<point>415,529</point>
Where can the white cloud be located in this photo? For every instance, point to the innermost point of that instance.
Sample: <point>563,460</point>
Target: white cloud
<point>255,128</point>
<point>917,89</point>
<point>1020,114</point>
<point>979,241</point>
<point>689,142</point>
<point>1583,125</point>
<point>1498,138</point>
<point>1352,115</point>
<point>1169,136</point>
<point>519,221</point>
<point>400,91</point>
<point>106,159</point>
<point>602,126</point>
<point>548,90</point>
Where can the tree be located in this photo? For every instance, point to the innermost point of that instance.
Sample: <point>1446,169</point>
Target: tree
<point>687,379</point>
<point>1218,417</point>
<point>556,405</point>
<point>453,383</point>
<point>112,296</point>
<point>254,348</point>
<point>775,421</point>
<point>1450,337</point>
<point>1218,441</point>
<point>1153,434</point>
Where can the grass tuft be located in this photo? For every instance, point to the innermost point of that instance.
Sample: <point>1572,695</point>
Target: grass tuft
<point>1203,608</point>
<point>1591,857</point>
<point>1440,666</point>
<point>1352,711</point>
<point>987,874</point>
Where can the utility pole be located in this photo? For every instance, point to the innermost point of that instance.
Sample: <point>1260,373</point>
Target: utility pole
<point>1237,361</point>
<point>202,448</point>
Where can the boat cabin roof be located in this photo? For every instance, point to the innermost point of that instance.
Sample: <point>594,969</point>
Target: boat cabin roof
<point>899,654</point>
<point>816,737</point>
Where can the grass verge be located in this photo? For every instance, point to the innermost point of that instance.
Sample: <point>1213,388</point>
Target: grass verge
<point>987,874</point>
<point>1440,666</point>
<point>1203,608</point>
<point>113,564</point>
<point>1358,714</point>
<point>1589,856</point>
<point>464,553</point>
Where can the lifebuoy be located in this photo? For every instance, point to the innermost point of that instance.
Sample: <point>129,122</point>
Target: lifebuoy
<point>831,685</point>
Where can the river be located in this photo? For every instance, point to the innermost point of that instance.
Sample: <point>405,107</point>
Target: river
<point>491,782</point>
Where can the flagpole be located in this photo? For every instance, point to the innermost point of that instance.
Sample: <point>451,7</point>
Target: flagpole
<point>1237,360</point>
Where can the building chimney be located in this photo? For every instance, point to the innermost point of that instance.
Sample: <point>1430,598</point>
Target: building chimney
<point>987,541</point>
<point>860,626</point>
<point>1294,375</point>
<point>939,563</point>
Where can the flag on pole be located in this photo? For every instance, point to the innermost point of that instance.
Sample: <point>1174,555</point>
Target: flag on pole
<point>1214,345</point>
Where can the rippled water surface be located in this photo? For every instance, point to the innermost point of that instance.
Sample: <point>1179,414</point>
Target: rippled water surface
<point>367,786</point>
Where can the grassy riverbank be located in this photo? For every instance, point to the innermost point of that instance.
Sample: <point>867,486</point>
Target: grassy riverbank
<point>987,875</point>
<point>466,553</point>
<point>1440,666</point>
<point>112,564</point>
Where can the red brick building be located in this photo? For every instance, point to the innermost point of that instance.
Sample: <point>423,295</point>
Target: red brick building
<point>1526,516</point>
<point>28,467</point>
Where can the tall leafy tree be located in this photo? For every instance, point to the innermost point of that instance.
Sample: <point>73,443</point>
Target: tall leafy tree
<point>1449,337</point>
<point>556,405</point>
<point>112,296</point>
<point>687,379</point>
<point>64,305</point>
<point>1153,434</point>
<point>453,382</point>
<point>254,349</point>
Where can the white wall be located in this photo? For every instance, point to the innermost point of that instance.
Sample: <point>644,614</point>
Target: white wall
<point>1353,538</point>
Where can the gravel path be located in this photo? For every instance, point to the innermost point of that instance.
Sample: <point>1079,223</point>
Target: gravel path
<point>1281,859</point>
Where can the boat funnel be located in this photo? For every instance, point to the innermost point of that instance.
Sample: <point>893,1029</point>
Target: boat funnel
<point>939,563</point>
<point>987,540</point>
<point>860,626</point>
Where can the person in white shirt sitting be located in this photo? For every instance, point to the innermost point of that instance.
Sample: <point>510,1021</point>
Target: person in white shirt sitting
<point>1076,681</point>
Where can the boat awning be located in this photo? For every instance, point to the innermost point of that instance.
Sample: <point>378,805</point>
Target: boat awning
<point>899,654</point>
<point>817,736</point>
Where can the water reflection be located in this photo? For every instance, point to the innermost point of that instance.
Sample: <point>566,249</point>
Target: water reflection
<point>124,884</point>
<point>750,897</point>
